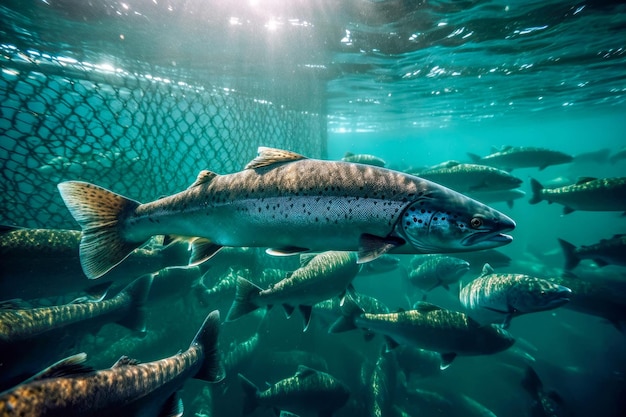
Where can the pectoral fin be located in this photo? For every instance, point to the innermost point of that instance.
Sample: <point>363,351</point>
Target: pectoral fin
<point>372,247</point>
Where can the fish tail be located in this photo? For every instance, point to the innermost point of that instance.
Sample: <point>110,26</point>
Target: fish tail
<point>569,250</point>
<point>98,211</point>
<point>243,304</point>
<point>349,312</point>
<point>250,395</point>
<point>138,291</point>
<point>536,189</point>
<point>211,369</point>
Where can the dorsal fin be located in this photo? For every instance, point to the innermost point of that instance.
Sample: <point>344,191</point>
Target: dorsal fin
<point>270,156</point>
<point>204,177</point>
<point>487,269</point>
<point>72,365</point>
<point>124,361</point>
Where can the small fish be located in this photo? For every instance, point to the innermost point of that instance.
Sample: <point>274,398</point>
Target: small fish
<point>68,388</point>
<point>380,265</point>
<point>382,385</point>
<point>589,194</point>
<point>493,297</point>
<point>419,362</point>
<point>438,271</point>
<point>320,277</point>
<point>606,251</point>
<point>477,259</point>
<point>508,196</point>
<point>364,159</point>
<point>618,155</point>
<point>469,178</point>
<point>430,327</point>
<point>23,332</point>
<point>601,298</point>
<point>38,257</point>
<point>444,402</point>
<point>546,403</point>
<point>307,391</point>
<point>600,156</point>
<point>240,354</point>
<point>513,157</point>
<point>290,204</point>
<point>330,310</point>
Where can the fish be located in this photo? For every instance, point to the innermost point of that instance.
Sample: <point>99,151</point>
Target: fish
<point>380,265</point>
<point>468,178</point>
<point>545,403</point>
<point>320,277</point>
<point>618,155</point>
<point>491,256</point>
<point>601,298</point>
<point>382,385</point>
<point>444,402</point>
<point>308,391</point>
<point>429,327</point>
<point>601,156</point>
<point>24,332</point>
<point>38,257</point>
<point>328,311</point>
<point>492,296</point>
<point>419,362</point>
<point>589,194</point>
<point>289,204</point>
<point>438,271</point>
<point>508,196</point>
<point>606,251</point>
<point>364,159</point>
<point>513,157</point>
<point>240,354</point>
<point>69,388</point>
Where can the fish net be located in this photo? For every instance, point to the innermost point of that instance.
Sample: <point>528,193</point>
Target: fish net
<point>141,130</point>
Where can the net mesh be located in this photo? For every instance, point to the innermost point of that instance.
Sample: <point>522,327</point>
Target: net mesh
<point>142,132</point>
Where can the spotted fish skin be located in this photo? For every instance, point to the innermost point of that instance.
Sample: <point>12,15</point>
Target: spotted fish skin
<point>124,389</point>
<point>24,331</point>
<point>512,157</point>
<point>496,297</point>
<point>471,177</point>
<point>590,194</point>
<point>287,202</point>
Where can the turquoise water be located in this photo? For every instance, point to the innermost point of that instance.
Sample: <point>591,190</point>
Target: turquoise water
<point>139,96</point>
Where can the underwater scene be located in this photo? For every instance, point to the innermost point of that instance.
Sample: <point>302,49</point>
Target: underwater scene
<point>313,208</point>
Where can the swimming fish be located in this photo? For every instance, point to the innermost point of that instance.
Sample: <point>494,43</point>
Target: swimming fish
<point>33,338</point>
<point>364,159</point>
<point>591,194</point>
<point>320,277</point>
<point>437,271</point>
<point>605,252</point>
<point>512,157</point>
<point>290,204</point>
<point>493,297</point>
<point>430,327</point>
<point>466,178</point>
<point>309,390</point>
<point>68,388</point>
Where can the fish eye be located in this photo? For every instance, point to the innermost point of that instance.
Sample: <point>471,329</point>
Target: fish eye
<point>476,222</point>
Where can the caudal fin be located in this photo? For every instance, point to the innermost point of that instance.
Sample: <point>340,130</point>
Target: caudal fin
<point>250,395</point>
<point>98,212</point>
<point>569,250</point>
<point>243,303</point>
<point>212,369</point>
<point>138,291</point>
<point>536,189</point>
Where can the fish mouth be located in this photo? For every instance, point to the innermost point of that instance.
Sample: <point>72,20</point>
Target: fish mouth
<point>494,237</point>
<point>561,297</point>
